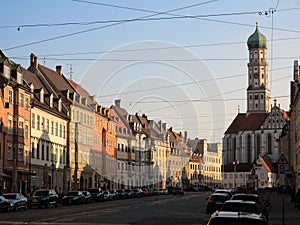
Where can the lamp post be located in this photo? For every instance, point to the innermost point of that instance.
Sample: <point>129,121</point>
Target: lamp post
<point>53,168</point>
<point>235,163</point>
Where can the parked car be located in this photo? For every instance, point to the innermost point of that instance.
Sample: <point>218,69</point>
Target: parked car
<point>243,206</point>
<point>137,193</point>
<point>252,197</point>
<point>128,193</point>
<point>145,192</point>
<point>226,191</point>
<point>163,191</point>
<point>5,205</point>
<point>114,194</point>
<point>121,193</point>
<point>236,218</point>
<point>17,201</point>
<point>178,191</point>
<point>73,197</point>
<point>215,202</point>
<point>43,197</point>
<point>97,194</point>
<point>87,197</point>
<point>107,195</point>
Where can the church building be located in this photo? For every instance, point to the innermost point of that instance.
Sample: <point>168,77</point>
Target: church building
<point>253,135</point>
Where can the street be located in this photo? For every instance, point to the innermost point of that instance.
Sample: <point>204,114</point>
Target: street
<point>162,209</point>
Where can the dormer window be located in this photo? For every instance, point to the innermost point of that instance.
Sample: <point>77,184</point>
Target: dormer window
<point>59,105</point>
<point>19,78</point>
<point>6,71</point>
<point>42,95</point>
<point>51,100</point>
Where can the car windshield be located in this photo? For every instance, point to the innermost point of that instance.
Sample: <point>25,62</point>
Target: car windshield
<point>239,207</point>
<point>222,198</point>
<point>10,196</point>
<point>41,193</point>
<point>236,221</point>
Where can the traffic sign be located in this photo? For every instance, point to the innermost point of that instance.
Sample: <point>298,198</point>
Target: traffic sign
<point>281,169</point>
<point>282,159</point>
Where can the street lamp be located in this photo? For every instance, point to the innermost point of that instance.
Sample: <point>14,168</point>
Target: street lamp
<point>235,163</point>
<point>53,168</point>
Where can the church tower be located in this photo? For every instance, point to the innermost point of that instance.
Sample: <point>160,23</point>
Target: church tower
<point>258,93</point>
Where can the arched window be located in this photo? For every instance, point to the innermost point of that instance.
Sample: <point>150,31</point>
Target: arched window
<point>269,141</point>
<point>248,148</point>
<point>234,148</point>
<point>228,149</point>
<point>257,145</point>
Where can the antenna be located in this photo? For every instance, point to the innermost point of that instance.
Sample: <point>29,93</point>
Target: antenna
<point>71,70</point>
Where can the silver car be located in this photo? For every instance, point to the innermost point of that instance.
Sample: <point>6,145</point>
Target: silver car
<point>17,201</point>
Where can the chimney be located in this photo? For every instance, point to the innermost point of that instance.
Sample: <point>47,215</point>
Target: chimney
<point>296,70</point>
<point>59,70</point>
<point>118,103</point>
<point>185,136</point>
<point>34,61</point>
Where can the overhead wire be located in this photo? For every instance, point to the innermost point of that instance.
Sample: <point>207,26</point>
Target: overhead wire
<point>105,26</point>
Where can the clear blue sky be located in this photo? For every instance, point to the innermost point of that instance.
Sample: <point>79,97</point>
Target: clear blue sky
<point>192,70</point>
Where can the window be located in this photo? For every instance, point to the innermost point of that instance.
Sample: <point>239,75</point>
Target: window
<point>21,152</point>
<point>38,122</point>
<point>6,72</point>
<point>26,134</point>
<point>9,151</point>
<point>60,130</point>
<point>21,129</point>
<point>22,100</point>
<point>19,78</point>
<point>56,129</point>
<point>33,120</point>
<point>38,151</point>
<point>10,97</point>
<point>27,103</point>
<point>52,127</point>
<point>47,152</point>
<point>43,123</point>
<point>43,152</point>
<point>47,125</point>
<point>32,150</point>
<point>9,128</point>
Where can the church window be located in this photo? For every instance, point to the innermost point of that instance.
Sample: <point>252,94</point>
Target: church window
<point>269,142</point>
<point>250,96</point>
<point>261,96</point>
<point>249,147</point>
<point>262,76</point>
<point>256,97</point>
<point>258,144</point>
<point>255,68</point>
<point>256,105</point>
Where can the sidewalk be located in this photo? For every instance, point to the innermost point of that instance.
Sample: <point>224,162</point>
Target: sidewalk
<point>291,213</point>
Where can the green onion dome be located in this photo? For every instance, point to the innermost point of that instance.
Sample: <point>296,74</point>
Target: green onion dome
<point>257,40</point>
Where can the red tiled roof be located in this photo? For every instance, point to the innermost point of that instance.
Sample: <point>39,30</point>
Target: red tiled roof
<point>246,121</point>
<point>58,81</point>
<point>285,115</point>
<point>267,163</point>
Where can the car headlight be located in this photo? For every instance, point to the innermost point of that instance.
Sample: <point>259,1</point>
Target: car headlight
<point>11,204</point>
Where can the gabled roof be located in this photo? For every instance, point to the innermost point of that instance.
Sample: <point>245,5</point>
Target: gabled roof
<point>58,81</point>
<point>267,163</point>
<point>246,122</point>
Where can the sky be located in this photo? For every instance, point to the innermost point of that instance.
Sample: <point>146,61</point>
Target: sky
<point>182,62</point>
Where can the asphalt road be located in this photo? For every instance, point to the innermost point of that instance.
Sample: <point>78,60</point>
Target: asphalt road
<point>164,209</point>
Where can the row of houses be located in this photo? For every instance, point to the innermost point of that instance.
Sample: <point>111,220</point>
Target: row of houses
<point>53,133</point>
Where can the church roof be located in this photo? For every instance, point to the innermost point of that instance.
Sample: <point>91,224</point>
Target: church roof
<point>246,121</point>
<point>257,40</point>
